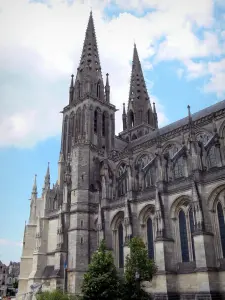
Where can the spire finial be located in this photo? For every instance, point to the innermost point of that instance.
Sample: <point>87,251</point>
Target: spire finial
<point>124,110</point>
<point>189,111</point>
<point>71,84</point>
<point>34,191</point>
<point>154,108</point>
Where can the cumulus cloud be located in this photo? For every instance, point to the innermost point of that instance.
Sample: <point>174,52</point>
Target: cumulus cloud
<point>41,43</point>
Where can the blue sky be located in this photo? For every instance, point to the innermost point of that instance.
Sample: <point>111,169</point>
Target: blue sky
<point>182,48</point>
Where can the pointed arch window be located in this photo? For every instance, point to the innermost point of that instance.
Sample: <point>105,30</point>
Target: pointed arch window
<point>98,90</point>
<point>84,120</point>
<point>95,121</point>
<point>120,244</point>
<point>150,238</point>
<point>103,124</point>
<point>183,236</point>
<point>221,223</point>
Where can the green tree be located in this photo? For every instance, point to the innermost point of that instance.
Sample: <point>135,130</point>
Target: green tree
<point>101,280</point>
<point>138,268</point>
<point>55,295</point>
<point>15,284</point>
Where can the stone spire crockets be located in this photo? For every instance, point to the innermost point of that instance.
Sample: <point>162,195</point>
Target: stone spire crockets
<point>46,186</point>
<point>89,81</point>
<point>139,106</point>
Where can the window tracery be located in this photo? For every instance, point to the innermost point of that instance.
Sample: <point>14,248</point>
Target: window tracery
<point>186,230</point>
<point>183,218</point>
<point>149,173</point>
<point>117,226</point>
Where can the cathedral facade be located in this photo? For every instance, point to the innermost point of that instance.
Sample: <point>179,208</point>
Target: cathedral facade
<point>166,185</point>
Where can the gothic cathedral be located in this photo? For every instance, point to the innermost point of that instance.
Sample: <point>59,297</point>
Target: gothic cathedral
<point>166,185</point>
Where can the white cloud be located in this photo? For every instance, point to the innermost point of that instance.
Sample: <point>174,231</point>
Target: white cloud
<point>42,45</point>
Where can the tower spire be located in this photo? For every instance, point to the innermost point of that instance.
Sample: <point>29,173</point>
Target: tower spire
<point>89,75</point>
<point>139,106</point>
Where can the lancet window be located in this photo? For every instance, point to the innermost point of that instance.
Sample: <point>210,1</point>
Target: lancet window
<point>103,124</point>
<point>95,121</point>
<point>150,238</point>
<point>186,230</point>
<point>78,122</point>
<point>98,89</point>
<point>120,246</point>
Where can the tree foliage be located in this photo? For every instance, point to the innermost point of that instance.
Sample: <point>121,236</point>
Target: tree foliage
<point>15,284</point>
<point>54,295</point>
<point>101,280</point>
<point>138,268</point>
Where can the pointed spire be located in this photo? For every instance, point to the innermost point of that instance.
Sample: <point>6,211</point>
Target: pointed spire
<point>124,117</point>
<point>90,62</point>
<point>47,180</point>
<point>155,116</point>
<point>34,189</point>
<point>71,91</point>
<point>139,102</point>
<point>89,80</point>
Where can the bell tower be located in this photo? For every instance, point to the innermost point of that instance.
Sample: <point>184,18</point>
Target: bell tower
<point>88,134</point>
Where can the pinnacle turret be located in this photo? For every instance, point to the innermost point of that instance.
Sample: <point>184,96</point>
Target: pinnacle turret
<point>46,186</point>
<point>139,106</point>
<point>34,189</point>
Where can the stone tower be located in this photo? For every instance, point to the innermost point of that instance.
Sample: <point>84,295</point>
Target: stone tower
<point>88,135</point>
